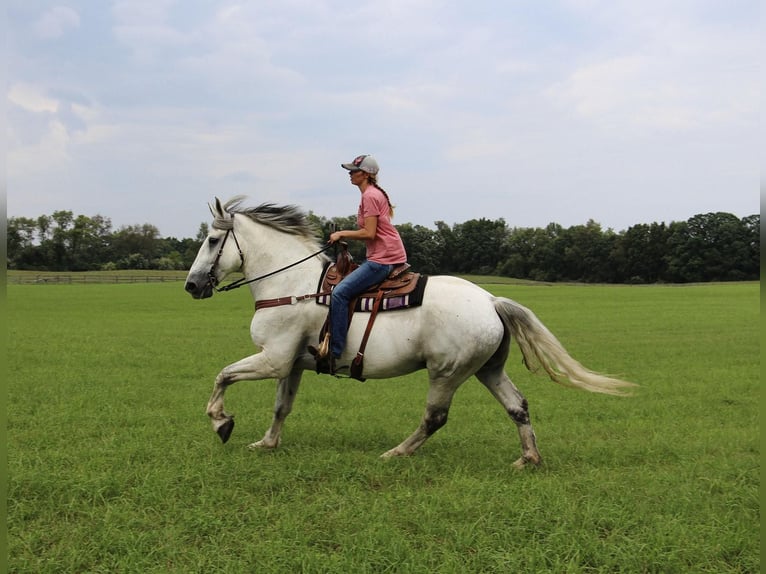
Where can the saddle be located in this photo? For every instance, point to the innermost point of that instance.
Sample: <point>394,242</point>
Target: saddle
<point>401,281</point>
<point>402,288</point>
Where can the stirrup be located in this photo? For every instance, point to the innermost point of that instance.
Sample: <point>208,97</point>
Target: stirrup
<point>324,364</point>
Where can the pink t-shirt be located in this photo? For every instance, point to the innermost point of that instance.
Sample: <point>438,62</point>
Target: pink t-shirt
<point>387,247</point>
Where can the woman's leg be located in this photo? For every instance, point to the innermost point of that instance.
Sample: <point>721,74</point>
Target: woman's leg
<point>366,275</point>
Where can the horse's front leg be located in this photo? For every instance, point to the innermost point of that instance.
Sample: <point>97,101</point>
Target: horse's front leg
<point>287,388</point>
<point>254,367</point>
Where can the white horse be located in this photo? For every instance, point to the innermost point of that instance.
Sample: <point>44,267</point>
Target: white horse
<point>459,330</point>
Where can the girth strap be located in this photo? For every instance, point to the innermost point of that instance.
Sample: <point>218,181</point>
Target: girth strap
<point>291,300</point>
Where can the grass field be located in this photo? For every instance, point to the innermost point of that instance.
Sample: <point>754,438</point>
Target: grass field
<point>114,466</point>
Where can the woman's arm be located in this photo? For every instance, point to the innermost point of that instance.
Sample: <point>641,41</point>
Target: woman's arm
<point>366,233</point>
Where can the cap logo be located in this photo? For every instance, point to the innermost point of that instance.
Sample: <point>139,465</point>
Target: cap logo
<point>358,160</point>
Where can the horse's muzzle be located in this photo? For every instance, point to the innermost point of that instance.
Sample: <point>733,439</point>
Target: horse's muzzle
<point>199,290</point>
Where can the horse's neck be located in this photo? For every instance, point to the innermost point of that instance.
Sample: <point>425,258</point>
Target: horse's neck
<point>269,250</point>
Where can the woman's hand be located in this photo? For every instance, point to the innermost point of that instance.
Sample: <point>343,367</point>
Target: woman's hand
<point>366,233</point>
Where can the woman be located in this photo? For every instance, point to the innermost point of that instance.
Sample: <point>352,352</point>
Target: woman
<point>385,251</point>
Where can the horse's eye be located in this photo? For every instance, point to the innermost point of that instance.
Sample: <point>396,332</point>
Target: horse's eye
<point>213,240</point>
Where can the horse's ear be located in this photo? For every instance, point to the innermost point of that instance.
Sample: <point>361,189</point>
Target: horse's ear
<point>216,210</point>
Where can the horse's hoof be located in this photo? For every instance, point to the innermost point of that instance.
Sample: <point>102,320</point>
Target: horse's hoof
<point>393,453</point>
<point>263,445</point>
<point>224,431</point>
<point>524,461</point>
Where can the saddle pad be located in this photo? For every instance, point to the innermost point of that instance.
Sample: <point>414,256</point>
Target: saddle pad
<point>392,300</point>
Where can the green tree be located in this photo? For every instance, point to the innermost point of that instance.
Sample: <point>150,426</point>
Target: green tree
<point>44,223</point>
<point>586,250</point>
<point>445,236</point>
<point>136,246</point>
<point>20,240</point>
<point>181,252</point>
<point>752,231</point>
<point>640,253</point>
<point>530,253</point>
<point>57,250</point>
<point>89,242</point>
<point>710,247</point>
<point>424,247</point>
<point>549,258</point>
<point>480,246</point>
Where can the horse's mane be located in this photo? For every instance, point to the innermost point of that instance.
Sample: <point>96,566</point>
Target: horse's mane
<point>286,218</point>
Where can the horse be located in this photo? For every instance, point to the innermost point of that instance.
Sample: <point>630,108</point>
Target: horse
<point>460,330</point>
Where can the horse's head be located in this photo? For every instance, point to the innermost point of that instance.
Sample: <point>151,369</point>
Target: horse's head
<point>218,256</point>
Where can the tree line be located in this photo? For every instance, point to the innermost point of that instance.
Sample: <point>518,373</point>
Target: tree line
<point>706,247</point>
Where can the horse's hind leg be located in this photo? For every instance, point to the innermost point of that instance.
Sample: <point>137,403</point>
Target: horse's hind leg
<point>437,408</point>
<point>287,388</point>
<point>516,406</point>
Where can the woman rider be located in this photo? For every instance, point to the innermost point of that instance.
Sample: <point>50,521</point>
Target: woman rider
<point>384,251</point>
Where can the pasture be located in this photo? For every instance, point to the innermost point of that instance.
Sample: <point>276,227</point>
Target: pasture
<point>114,466</point>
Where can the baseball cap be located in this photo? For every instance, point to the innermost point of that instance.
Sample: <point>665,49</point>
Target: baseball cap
<point>365,163</point>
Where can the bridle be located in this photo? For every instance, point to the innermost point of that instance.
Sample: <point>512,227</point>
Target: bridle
<point>229,226</point>
<point>211,274</point>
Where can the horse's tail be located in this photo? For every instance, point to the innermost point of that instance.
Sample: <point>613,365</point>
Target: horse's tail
<point>541,348</point>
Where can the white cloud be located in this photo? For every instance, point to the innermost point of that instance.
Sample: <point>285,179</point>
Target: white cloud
<point>668,72</point>
<point>627,92</point>
<point>32,98</point>
<point>56,22</point>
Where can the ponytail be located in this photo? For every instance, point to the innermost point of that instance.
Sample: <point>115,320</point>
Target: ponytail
<point>374,181</point>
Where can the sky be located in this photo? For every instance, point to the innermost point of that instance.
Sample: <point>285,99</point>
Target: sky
<point>621,111</point>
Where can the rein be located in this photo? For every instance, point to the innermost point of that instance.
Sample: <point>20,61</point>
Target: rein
<point>244,281</point>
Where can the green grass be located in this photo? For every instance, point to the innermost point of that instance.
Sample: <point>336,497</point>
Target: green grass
<point>114,466</point>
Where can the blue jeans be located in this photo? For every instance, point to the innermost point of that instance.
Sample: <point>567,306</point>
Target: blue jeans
<point>358,281</point>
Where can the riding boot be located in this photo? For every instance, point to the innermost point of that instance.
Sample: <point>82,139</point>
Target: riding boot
<point>326,365</point>
<point>325,362</point>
